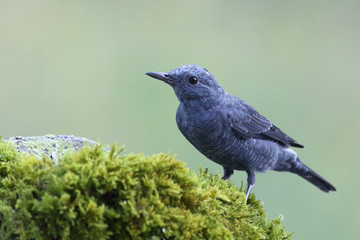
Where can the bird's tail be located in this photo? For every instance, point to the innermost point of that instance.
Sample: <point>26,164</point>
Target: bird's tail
<point>305,172</point>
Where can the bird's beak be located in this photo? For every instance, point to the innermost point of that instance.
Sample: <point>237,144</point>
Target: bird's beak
<point>161,76</point>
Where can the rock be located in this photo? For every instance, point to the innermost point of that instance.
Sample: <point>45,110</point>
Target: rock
<point>52,146</point>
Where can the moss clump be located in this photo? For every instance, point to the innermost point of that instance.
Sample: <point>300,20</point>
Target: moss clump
<point>94,194</point>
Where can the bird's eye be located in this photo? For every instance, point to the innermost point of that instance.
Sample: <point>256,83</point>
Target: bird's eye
<point>193,80</point>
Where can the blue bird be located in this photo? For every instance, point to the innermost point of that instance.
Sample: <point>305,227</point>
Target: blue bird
<point>228,131</point>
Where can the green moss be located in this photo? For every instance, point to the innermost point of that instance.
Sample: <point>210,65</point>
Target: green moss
<point>94,194</point>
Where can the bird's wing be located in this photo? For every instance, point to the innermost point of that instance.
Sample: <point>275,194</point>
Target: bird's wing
<point>246,122</point>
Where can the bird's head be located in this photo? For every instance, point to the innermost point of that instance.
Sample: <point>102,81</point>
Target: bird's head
<point>190,82</point>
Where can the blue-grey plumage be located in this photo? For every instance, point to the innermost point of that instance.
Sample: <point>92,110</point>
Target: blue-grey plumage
<point>230,132</point>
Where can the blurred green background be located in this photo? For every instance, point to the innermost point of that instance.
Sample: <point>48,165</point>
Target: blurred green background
<point>77,67</point>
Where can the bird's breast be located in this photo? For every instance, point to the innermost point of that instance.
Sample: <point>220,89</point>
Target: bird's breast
<point>205,130</point>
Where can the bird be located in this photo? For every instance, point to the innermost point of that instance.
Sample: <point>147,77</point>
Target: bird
<point>230,132</point>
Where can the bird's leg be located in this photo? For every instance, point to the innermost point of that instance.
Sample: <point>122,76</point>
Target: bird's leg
<point>250,182</point>
<point>227,173</point>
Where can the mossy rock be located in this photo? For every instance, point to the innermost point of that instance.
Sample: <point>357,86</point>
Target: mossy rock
<point>98,194</point>
<point>52,146</point>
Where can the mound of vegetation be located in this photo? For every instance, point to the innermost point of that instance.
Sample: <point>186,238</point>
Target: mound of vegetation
<point>105,194</point>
